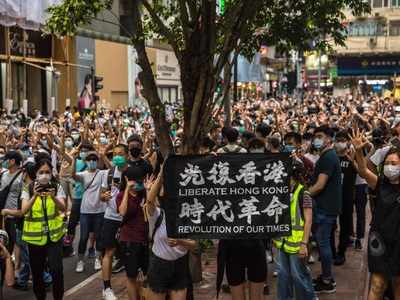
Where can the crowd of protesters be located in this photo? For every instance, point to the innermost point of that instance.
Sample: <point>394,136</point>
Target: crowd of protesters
<point>102,169</point>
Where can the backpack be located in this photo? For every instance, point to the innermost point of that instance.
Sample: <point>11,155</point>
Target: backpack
<point>157,225</point>
<point>6,190</point>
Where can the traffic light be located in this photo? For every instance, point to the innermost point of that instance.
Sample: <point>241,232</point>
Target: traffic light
<point>97,84</point>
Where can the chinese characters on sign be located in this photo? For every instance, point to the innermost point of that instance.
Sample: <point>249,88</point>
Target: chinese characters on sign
<point>228,196</point>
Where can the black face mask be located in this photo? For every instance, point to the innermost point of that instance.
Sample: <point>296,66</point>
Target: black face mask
<point>135,152</point>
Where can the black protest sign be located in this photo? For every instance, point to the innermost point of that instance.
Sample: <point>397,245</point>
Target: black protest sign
<point>229,196</point>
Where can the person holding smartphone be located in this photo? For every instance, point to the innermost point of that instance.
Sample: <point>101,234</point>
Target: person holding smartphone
<point>43,205</point>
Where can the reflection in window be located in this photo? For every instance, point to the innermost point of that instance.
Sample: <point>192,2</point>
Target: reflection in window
<point>365,28</point>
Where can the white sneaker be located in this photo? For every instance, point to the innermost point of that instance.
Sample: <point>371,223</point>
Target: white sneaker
<point>80,266</point>
<point>311,259</point>
<point>97,264</point>
<point>108,294</point>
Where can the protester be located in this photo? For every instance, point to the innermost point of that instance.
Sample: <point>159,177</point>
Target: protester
<point>383,258</point>
<point>43,203</point>
<point>293,250</point>
<point>327,193</point>
<point>6,265</point>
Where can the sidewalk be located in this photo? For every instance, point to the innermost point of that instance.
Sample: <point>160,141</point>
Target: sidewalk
<point>351,281</point>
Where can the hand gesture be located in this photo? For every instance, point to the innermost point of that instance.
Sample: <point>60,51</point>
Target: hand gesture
<point>148,182</point>
<point>129,183</point>
<point>173,242</point>
<point>358,139</point>
<point>303,253</point>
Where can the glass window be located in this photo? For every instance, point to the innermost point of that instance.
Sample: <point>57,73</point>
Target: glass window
<point>394,28</point>
<point>395,3</point>
<point>377,3</point>
<point>173,95</point>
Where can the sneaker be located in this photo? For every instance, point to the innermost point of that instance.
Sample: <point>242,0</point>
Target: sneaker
<point>311,259</point>
<point>275,274</point>
<point>358,245</point>
<point>20,287</point>
<point>324,287</point>
<point>97,264</point>
<point>118,267</point>
<point>92,253</point>
<point>80,266</point>
<point>315,281</point>
<point>339,260</point>
<point>108,294</point>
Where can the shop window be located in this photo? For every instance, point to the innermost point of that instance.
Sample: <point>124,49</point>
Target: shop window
<point>394,28</point>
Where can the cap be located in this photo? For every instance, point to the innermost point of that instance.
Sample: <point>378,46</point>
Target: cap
<point>4,237</point>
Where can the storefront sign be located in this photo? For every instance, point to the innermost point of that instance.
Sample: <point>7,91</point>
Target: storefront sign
<point>232,196</point>
<point>32,43</point>
<point>167,66</point>
<point>368,65</point>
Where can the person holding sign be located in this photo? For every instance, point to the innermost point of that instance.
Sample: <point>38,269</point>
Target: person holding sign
<point>168,272</point>
<point>292,250</point>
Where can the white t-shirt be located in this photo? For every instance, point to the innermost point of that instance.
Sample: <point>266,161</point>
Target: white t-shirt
<point>111,212</point>
<point>91,203</point>
<point>160,245</point>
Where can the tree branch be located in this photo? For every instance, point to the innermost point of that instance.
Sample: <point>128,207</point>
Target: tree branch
<point>169,35</point>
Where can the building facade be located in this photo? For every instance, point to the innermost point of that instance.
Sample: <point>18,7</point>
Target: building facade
<point>372,52</point>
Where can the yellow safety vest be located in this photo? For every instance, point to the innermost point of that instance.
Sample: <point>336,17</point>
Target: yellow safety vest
<point>291,244</point>
<point>36,230</point>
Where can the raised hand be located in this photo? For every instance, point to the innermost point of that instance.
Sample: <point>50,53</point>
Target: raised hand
<point>358,139</point>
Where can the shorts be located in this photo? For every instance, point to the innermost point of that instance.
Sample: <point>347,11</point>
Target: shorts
<point>243,258</point>
<point>165,275</point>
<point>134,257</point>
<point>110,230</point>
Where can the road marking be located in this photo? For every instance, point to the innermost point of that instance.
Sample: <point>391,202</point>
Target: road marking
<point>82,284</point>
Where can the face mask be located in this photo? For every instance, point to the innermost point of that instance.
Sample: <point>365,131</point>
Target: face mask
<point>75,136</point>
<point>83,155</point>
<point>289,148</point>
<point>44,178</point>
<point>341,146</point>
<point>92,165</point>
<point>139,186</point>
<point>119,161</point>
<point>103,140</point>
<point>25,154</point>
<point>44,143</point>
<point>69,144</point>
<point>318,143</point>
<point>5,164</point>
<point>135,152</point>
<point>391,172</point>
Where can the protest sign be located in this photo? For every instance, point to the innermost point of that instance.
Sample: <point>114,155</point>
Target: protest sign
<point>229,196</point>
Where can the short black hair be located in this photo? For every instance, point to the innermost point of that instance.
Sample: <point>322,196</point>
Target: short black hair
<point>15,155</point>
<point>342,134</point>
<point>248,135</point>
<point>263,129</point>
<point>87,146</point>
<point>308,136</point>
<point>256,143</point>
<point>123,146</point>
<point>135,138</point>
<point>293,135</point>
<point>208,143</point>
<point>231,134</point>
<point>325,129</point>
<point>274,142</point>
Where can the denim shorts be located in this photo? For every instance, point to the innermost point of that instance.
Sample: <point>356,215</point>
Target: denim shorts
<point>164,275</point>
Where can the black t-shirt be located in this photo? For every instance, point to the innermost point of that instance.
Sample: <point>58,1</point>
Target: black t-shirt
<point>349,175</point>
<point>329,200</point>
<point>144,166</point>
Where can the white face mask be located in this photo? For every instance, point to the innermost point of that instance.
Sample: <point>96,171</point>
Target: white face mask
<point>44,178</point>
<point>391,172</point>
